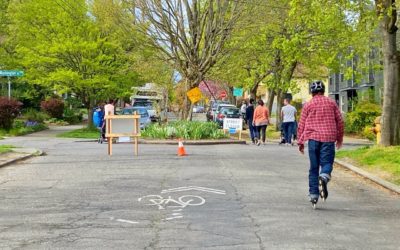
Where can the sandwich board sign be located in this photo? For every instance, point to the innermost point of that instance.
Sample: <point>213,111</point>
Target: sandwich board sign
<point>233,126</point>
<point>122,127</point>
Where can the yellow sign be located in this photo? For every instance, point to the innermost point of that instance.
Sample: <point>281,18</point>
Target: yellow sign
<point>194,95</point>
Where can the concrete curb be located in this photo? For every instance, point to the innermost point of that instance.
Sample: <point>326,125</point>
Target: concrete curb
<point>199,142</point>
<point>174,142</point>
<point>392,187</point>
<point>21,158</point>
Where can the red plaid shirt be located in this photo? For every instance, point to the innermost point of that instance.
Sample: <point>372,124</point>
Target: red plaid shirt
<point>320,121</point>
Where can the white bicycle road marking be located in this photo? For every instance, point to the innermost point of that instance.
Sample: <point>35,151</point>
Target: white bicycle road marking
<point>182,202</point>
<point>175,217</point>
<point>196,188</point>
<point>125,221</point>
<point>177,205</point>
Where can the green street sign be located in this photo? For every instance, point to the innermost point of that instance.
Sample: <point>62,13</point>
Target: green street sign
<point>237,92</point>
<point>12,73</point>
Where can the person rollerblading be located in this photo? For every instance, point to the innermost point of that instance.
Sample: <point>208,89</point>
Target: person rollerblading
<point>321,124</point>
<point>322,186</point>
<point>314,201</point>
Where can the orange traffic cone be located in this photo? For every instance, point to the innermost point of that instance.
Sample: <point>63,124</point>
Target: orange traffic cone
<point>181,149</point>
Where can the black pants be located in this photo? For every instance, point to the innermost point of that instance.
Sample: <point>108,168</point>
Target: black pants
<point>260,132</point>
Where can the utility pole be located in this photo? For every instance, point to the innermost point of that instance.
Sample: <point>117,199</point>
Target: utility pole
<point>9,87</point>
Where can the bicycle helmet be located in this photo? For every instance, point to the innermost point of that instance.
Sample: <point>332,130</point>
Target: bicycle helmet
<point>317,86</point>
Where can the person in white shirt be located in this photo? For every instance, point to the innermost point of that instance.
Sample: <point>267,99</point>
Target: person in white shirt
<point>288,116</point>
<point>243,110</point>
<point>109,108</point>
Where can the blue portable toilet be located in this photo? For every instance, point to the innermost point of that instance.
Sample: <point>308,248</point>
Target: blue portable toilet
<point>97,117</point>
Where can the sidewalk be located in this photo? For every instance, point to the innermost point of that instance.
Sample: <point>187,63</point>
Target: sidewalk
<point>350,141</point>
<point>23,151</point>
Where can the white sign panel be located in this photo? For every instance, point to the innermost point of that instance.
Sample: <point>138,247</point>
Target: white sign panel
<point>231,123</point>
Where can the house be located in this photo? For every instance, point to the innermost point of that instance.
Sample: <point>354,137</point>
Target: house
<point>364,80</point>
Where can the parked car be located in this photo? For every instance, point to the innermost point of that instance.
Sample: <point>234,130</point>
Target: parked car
<point>227,112</point>
<point>149,105</point>
<point>142,111</point>
<point>198,109</point>
<point>211,110</point>
<point>221,106</point>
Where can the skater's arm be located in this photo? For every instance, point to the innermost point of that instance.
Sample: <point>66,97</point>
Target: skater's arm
<point>340,127</point>
<point>301,125</point>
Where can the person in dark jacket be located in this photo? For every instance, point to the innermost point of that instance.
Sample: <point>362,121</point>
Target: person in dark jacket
<point>249,117</point>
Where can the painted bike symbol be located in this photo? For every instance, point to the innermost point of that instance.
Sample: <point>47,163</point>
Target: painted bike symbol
<point>182,202</point>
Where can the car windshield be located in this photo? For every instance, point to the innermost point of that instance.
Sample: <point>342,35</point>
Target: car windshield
<point>143,104</point>
<point>130,111</point>
<point>224,106</point>
<point>230,111</point>
<point>215,104</point>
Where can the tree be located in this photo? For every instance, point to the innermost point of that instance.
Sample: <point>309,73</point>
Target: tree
<point>291,35</point>
<point>387,12</point>
<point>74,48</point>
<point>190,34</point>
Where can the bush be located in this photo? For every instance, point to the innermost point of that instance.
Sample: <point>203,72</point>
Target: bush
<point>185,130</point>
<point>55,121</point>
<point>54,107</point>
<point>9,110</point>
<point>368,133</point>
<point>17,130</point>
<point>72,117</point>
<point>363,115</point>
<point>32,115</point>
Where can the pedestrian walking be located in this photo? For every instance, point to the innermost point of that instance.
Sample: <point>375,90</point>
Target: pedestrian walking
<point>321,124</point>
<point>109,108</point>
<point>260,120</point>
<point>243,110</point>
<point>288,117</point>
<point>249,117</point>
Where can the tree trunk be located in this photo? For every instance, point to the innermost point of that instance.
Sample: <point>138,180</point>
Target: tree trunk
<point>187,112</point>
<point>279,102</point>
<point>391,102</point>
<point>90,113</point>
<point>90,117</point>
<point>190,112</point>
<point>270,101</point>
<point>253,90</point>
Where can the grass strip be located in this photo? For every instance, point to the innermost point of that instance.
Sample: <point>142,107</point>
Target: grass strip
<point>6,148</point>
<point>381,161</point>
<point>84,133</point>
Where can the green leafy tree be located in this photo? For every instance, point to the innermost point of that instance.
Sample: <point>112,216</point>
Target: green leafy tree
<point>291,35</point>
<point>74,48</point>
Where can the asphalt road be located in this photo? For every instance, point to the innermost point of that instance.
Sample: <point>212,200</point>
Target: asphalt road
<point>218,197</point>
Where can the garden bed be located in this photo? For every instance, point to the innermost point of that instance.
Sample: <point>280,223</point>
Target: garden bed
<point>185,130</point>
<point>22,128</point>
<point>171,131</point>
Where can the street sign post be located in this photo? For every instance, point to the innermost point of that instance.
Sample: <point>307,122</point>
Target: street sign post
<point>11,73</point>
<point>222,94</point>
<point>194,95</point>
<point>237,92</point>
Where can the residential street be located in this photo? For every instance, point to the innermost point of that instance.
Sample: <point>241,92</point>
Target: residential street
<point>218,197</point>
